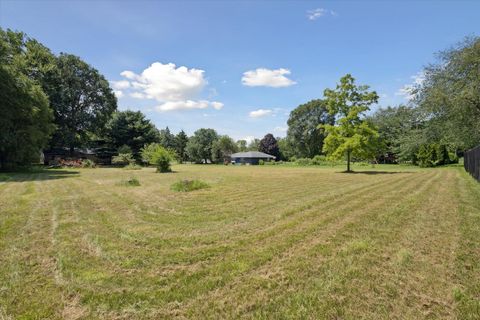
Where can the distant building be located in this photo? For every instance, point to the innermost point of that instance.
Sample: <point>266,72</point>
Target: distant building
<point>98,155</point>
<point>250,157</point>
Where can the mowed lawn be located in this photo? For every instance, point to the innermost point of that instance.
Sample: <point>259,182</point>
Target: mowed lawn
<point>262,242</point>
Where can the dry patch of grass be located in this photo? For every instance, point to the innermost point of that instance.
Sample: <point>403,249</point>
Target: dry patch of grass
<point>260,242</point>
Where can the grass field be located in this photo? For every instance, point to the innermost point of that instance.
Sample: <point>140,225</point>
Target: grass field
<point>260,242</point>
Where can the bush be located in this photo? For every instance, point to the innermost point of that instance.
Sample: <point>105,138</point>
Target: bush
<point>188,185</point>
<point>88,164</point>
<point>319,160</point>
<point>132,182</point>
<point>261,162</point>
<point>158,156</point>
<point>132,166</point>
<point>304,161</point>
<point>453,157</point>
<point>123,159</point>
<point>431,155</point>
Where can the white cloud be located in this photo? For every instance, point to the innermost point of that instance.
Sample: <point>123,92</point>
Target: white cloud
<point>118,93</point>
<point>165,82</point>
<point>120,85</point>
<point>260,113</point>
<point>249,139</point>
<point>188,105</point>
<point>217,105</point>
<point>268,78</point>
<point>128,74</point>
<point>320,12</point>
<point>176,88</point>
<point>408,90</point>
<point>182,105</point>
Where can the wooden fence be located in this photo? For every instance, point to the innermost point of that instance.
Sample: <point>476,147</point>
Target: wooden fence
<point>472,162</point>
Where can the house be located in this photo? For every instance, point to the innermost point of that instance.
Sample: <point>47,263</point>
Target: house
<point>97,155</point>
<point>250,157</point>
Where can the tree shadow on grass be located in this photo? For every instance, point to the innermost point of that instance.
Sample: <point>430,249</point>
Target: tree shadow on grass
<point>374,172</point>
<point>37,175</point>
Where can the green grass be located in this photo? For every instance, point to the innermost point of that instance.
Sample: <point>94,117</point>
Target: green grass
<point>263,242</point>
<point>130,182</point>
<point>188,185</point>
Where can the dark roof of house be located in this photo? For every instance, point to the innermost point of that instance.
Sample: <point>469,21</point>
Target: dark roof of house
<point>252,154</point>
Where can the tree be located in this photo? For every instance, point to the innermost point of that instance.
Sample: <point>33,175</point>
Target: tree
<point>26,119</point>
<point>287,150</point>
<point>303,133</point>
<point>350,135</point>
<point>157,155</point>
<point>254,145</point>
<point>242,145</point>
<point>199,147</point>
<point>181,140</point>
<point>167,139</point>
<point>269,145</point>
<point>132,129</point>
<point>400,130</point>
<point>223,148</point>
<point>82,101</point>
<point>450,95</point>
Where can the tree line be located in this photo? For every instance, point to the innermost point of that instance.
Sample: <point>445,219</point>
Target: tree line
<point>60,101</point>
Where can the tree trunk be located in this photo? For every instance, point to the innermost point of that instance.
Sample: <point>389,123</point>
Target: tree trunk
<point>348,161</point>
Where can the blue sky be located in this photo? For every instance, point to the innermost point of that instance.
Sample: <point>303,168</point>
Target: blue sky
<point>241,67</point>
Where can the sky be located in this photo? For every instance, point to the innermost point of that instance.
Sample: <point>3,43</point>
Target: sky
<point>240,67</point>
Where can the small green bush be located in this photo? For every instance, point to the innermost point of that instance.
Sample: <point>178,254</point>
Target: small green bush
<point>189,185</point>
<point>132,182</point>
<point>432,155</point>
<point>304,161</point>
<point>158,156</point>
<point>261,162</point>
<point>88,164</point>
<point>123,159</point>
<point>319,160</point>
<point>132,166</point>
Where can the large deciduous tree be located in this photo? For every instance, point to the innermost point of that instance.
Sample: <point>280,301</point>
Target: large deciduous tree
<point>131,128</point>
<point>82,101</point>
<point>450,94</point>
<point>351,135</point>
<point>199,147</point>
<point>223,148</point>
<point>26,119</point>
<point>303,132</point>
<point>400,130</point>
<point>269,145</point>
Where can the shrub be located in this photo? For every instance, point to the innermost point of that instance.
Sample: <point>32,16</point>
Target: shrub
<point>132,166</point>
<point>261,162</point>
<point>188,185</point>
<point>453,157</point>
<point>319,160</point>
<point>304,161</point>
<point>431,155</point>
<point>132,182</point>
<point>158,156</point>
<point>123,159</point>
<point>88,164</point>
